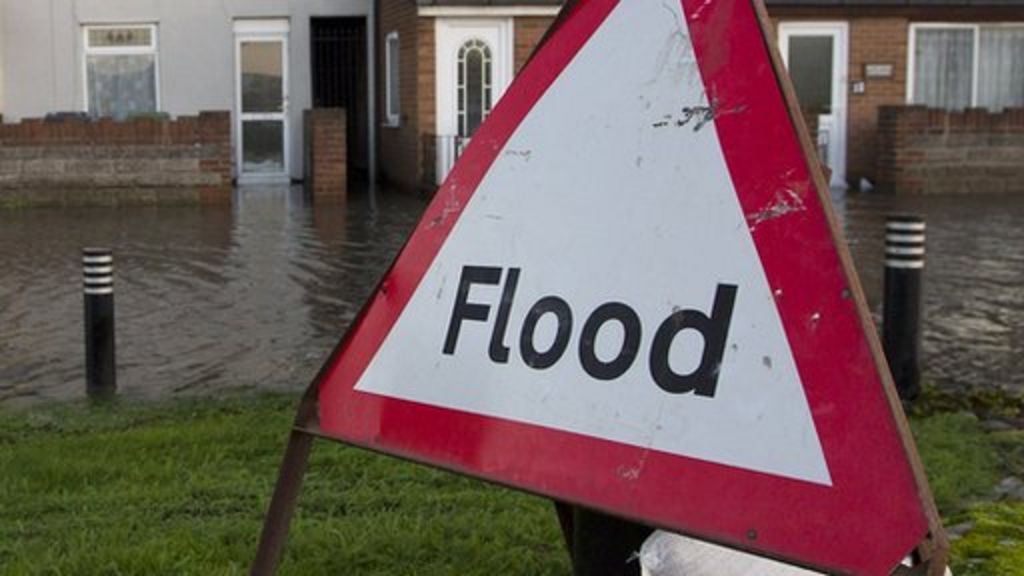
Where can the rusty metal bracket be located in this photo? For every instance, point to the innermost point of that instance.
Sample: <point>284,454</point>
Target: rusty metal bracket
<point>286,492</point>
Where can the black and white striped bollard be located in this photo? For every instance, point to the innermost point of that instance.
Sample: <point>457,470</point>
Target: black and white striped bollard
<point>98,285</point>
<point>901,316</point>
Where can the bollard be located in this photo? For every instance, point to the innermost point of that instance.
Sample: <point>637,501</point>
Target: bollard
<point>901,315</point>
<point>98,286</point>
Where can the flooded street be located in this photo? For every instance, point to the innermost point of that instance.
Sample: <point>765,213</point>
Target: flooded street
<point>252,295</point>
<point>255,295</point>
<point>973,281</point>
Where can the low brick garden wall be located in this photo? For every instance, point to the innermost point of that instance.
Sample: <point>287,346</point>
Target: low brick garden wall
<point>924,150</point>
<point>145,160</point>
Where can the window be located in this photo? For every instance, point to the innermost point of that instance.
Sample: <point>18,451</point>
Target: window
<point>120,70</point>
<point>473,89</point>
<point>957,66</point>
<point>393,100</point>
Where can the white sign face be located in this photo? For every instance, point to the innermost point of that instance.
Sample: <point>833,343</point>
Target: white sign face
<point>610,287</point>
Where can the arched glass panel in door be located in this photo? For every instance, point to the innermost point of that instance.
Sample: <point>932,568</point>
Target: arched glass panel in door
<point>473,94</point>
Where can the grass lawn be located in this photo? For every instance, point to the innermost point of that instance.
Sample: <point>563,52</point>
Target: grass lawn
<point>181,487</point>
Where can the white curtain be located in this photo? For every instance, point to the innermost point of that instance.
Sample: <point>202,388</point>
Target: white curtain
<point>1001,68</point>
<point>943,67</point>
<point>121,85</point>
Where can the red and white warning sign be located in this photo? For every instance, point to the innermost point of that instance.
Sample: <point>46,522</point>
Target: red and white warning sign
<point>628,295</point>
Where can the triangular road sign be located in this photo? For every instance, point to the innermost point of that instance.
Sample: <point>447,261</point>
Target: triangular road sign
<point>629,294</point>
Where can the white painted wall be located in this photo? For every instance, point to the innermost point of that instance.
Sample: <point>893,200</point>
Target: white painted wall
<point>41,51</point>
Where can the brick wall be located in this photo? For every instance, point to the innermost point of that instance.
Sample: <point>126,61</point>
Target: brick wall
<point>529,31</point>
<point>143,160</point>
<point>399,144</point>
<point>408,149</point>
<point>879,35</point>
<point>873,39</point>
<point>327,154</point>
<point>923,150</point>
<point>426,105</point>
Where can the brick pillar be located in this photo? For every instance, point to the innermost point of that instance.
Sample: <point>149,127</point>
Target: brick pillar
<point>327,154</point>
<point>213,132</point>
<point>899,161</point>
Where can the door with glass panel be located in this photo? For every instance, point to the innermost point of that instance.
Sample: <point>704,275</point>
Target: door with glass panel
<point>815,54</point>
<point>474,67</point>
<point>262,101</point>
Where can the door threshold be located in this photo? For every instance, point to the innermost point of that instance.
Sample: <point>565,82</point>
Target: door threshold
<point>263,180</point>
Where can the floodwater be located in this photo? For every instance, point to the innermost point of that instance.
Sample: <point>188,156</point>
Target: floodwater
<point>973,281</point>
<point>252,295</point>
<point>255,295</point>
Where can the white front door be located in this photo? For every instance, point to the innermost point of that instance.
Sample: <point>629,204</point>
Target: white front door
<point>816,55</point>
<point>261,101</point>
<point>474,67</point>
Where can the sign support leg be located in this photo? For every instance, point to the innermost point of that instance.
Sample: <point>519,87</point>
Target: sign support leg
<point>282,505</point>
<point>564,512</point>
<point>286,492</point>
<point>605,545</point>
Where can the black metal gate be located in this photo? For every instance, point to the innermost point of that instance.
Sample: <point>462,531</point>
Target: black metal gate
<point>339,80</point>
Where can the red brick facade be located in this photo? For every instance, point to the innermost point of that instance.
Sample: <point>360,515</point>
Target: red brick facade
<point>877,35</point>
<point>529,31</point>
<point>327,159</point>
<point>935,151</point>
<point>143,160</point>
<point>407,150</point>
<point>399,144</point>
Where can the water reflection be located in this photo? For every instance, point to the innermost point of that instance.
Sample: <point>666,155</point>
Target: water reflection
<point>257,293</point>
<point>249,295</point>
<point>973,281</point>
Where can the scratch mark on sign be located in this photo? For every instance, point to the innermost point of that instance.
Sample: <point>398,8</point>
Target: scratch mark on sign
<point>700,10</point>
<point>521,154</point>
<point>451,206</point>
<point>633,473</point>
<point>676,52</point>
<point>785,202</point>
<point>440,289</point>
<point>699,116</point>
<point>815,319</point>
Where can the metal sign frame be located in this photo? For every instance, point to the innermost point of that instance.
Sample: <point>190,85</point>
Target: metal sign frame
<point>932,550</point>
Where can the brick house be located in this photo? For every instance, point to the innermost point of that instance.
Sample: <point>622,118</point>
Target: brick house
<point>443,63</point>
<point>429,53</point>
<point>948,55</point>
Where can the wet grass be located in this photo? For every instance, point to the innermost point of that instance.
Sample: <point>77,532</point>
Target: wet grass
<point>181,488</point>
<point>962,461</point>
<point>964,464</point>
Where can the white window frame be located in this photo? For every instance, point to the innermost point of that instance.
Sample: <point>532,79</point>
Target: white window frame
<point>153,49</point>
<point>392,117</point>
<point>974,27</point>
<point>270,30</point>
<point>486,88</point>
